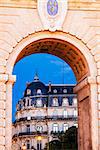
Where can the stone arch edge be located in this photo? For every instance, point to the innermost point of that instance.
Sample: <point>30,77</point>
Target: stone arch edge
<point>84,50</point>
<point>78,43</point>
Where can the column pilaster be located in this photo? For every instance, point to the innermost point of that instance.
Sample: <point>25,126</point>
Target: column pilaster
<point>9,85</point>
<point>3,80</point>
<point>87,109</point>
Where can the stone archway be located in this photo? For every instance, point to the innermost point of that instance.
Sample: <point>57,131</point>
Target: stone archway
<point>77,55</point>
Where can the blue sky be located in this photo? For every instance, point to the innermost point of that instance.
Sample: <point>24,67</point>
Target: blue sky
<point>49,68</point>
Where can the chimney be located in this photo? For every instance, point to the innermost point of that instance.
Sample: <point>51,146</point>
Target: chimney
<point>49,86</point>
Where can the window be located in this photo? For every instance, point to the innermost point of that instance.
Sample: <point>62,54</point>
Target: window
<point>55,127</point>
<point>75,101</point>
<point>55,102</point>
<point>65,113</point>
<point>39,145</point>
<point>27,99</point>
<point>75,113</point>
<point>39,91</point>
<point>29,118</point>
<point>28,128</point>
<point>28,102</point>
<point>76,125</point>
<point>65,127</point>
<point>28,91</point>
<point>39,128</point>
<point>28,144</point>
<point>65,102</point>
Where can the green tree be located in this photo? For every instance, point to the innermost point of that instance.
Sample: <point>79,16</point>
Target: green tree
<point>69,139</point>
<point>53,145</point>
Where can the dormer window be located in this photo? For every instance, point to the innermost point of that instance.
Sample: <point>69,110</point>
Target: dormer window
<point>39,128</point>
<point>65,91</point>
<point>54,91</point>
<point>28,91</point>
<point>39,91</point>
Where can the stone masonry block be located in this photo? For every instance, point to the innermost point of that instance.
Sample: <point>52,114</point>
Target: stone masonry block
<point>2,140</point>
<point>99,114</point>
<point>2,147</point>
<point>2,113</point>
<point>2,122</point>
<point>3,62</point>
<point>2,69</point>
<point>2,131</point>
<point>98,64</point>
<point>97,57</point>
<point>2,95</point>
<point>2,87</point>
<point>98,72</point>
<point>98,97</point>
<point>98,88</point>
<point>99,105</point>
<point>99,124</point>
<point>3,53</point>
<point>98,79</point>
<point>96,50</point>
<point>2,104</point>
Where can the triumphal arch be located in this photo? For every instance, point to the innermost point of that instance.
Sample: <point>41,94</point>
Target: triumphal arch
<point>69,29</point>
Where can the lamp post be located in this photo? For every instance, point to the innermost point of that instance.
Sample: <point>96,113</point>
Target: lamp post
<point>15,146</point>
<point>39,138</point>
<point>24,147</point>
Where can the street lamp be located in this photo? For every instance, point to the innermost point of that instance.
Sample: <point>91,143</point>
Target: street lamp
<point>15,145</point>
<point>39,138</point>
<point>24,147</point>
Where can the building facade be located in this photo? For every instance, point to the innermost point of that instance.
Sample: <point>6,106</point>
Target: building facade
<point>44,112</point>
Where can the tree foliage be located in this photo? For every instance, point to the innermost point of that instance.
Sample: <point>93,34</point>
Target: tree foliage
<point>67,141</point>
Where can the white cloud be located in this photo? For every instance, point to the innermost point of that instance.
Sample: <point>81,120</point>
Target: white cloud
<point>57,62</point>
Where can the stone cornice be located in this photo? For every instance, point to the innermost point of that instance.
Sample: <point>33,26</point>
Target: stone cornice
<point>72,4</point>
<point>89,80</point>
<point>11,79</point>
<point>5,78</point>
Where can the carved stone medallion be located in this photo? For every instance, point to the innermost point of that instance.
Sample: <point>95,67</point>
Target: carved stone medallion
<point>52,13</point>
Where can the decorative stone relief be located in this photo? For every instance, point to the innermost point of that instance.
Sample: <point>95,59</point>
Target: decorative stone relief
<point>52,13</point>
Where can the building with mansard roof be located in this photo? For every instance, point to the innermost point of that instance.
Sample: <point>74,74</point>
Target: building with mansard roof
<point>42,113</point>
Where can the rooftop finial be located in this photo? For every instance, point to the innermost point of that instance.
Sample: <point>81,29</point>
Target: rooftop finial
<point>36,78</point>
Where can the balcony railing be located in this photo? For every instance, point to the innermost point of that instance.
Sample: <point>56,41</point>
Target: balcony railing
<point>61,117</point>
<point>57,132</point>
<point>58,117</point>
<point>30,134</point>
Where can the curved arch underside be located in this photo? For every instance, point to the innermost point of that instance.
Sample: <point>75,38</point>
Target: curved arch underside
<point>64,50</point>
